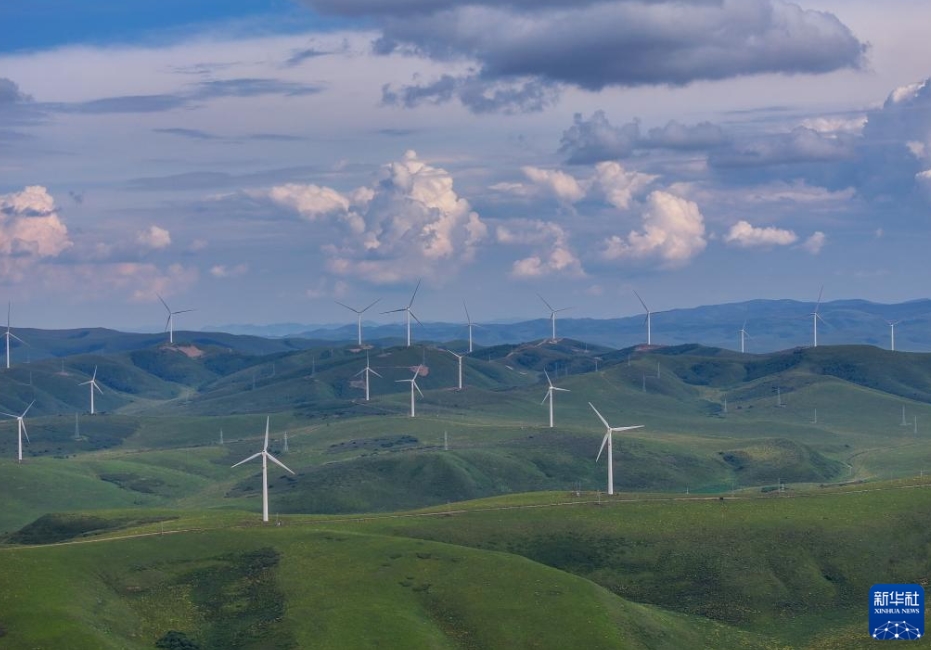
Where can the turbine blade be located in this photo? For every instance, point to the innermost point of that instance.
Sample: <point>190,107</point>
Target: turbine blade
<point>468,318</point>
<point>820,293</point>
<point>645,308</point>
<point>548,381</point>
<point>25,433</point>
<point>167,321</point>
<point>348,307</point>
<point>85,383</point>
<point>563,309</point>
<point>27,408</point>
<point>374,373</point>
<point>619,429</point>
<point>565,390</point>
<point>393,311</point>
<point>277,462</point>
<point>548,395</point>
<point>599,415</point>
<point>604,441</point>
<point>9,415</point>
<point>414,295</point>
<point>267,420</point>
<point>13,336</point>
<point>545,303</point>
<point>95,373</point>
<point>414,384</point>
<point>183,311</point>
<point>414,316</point>
<point>246,460</point>
<point>369,307</point>
<point>164,303</point>
<point>94,384</point>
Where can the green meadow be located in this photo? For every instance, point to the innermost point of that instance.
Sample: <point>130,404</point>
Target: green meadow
<point>756,506</point>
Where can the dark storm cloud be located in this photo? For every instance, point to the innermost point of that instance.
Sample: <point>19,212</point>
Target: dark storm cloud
<point>594,45</point>
<point>528,96</point>
<point>596,139</point>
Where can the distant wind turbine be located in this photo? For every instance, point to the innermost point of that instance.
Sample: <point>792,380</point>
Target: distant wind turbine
<point>607,441</point>
<point>744,335</point>
<point>93,384</point>
<point>815,317</point>
<point>648,320</point>
<point>892,324</point>
<point>553,313</point>
<point>413,382</point>
<point>265,458</point>
<point>21,425</point>
<point>459,357</point>
<point>410,314</point>
<point>469,324</point>
<point>170,323</point>
<point>359,313</point>
<point>549,394</point>
<point>367,370</point>
<point>9,335</point>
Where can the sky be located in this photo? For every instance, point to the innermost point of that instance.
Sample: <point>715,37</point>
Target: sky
<point>259,161</point>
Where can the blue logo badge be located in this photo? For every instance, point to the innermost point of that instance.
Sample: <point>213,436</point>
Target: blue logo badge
<point>897,612</point>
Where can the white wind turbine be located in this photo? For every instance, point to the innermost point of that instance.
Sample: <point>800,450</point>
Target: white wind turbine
<point>744,335</point>
<point>22,430</point>
<point>265,458</point>
<point>553,313</point>
<point>470,324</point>
<point>459,357</point>
<point>9,335</point>
<point>648,320</point>
<point>170,323</point>
<point>93,384</point>
<point>892,324</point>
<point>367,370</point>
<point>815,317</point>
<point>549,394</point>
<point>413,381</point>
<point>359,313</point>
<point>607,441</point>
<point>409,313</point>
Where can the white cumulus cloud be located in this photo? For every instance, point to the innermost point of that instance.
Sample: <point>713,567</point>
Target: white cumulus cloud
<point>815,243</point>
<point>745,235</point>
<point>673,232</point>
<point>30,230</point>
<point>550,252</point>
<point>155,237</point>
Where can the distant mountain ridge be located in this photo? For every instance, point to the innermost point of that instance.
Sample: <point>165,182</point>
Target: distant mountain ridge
<point>771,325</point>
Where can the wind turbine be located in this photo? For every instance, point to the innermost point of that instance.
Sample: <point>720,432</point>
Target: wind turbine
<point>470,324</point>
<point>9,334</point>
<point>458,356</point>
<point>413,381</point>
<point>553,313</point>
<point>549,394</point>
<point>815,317</point>
<point>892,324</point>
<point>648,320</point>
<point>22,430</point>
<point>368,371</point>
<point>607,441</point>
<point>93,384</point>
<point>744,335</point>
<point>409,313</point>
<point>265,458</point>
<point>170,323</point>
<point>359,313</point>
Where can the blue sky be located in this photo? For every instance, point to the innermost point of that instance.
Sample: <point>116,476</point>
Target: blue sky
<point>258,161</point>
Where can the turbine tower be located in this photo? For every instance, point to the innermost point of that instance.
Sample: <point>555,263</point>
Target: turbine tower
<point>607,441</point>
<point>170,323</point>
<point>367,370</point>
<point>892,324</point>
<point>648,320</point>
<point>815,317</point>
<point>93,384</point>
<point>744,335</point>
<point>409,313</point>
<point>413,381</point>
<point>359,313</point>
<point>265,458</point>
<point>9,335</point>
<point>553,313</point>
<point>459,357</point>
<point>21,425</point>
<point>549,394</point>
<point>469,324</point>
